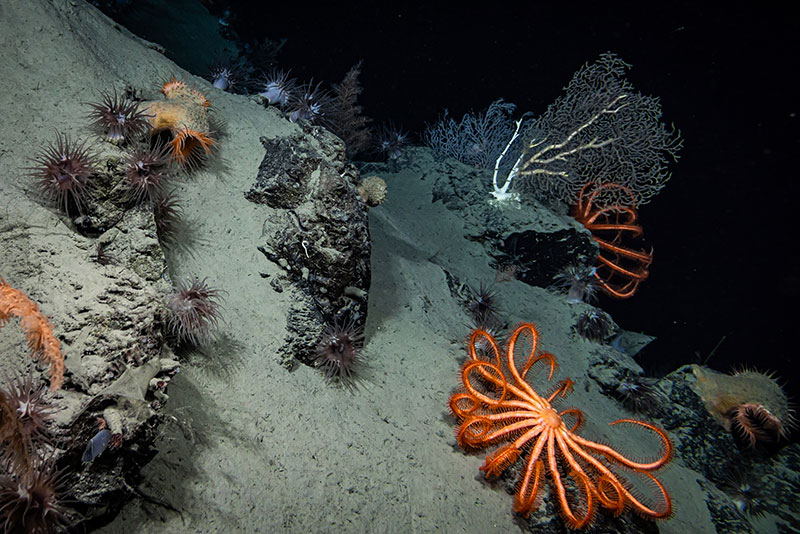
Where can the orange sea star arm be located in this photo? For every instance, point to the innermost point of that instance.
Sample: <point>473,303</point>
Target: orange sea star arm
<point>37,328</point>
<point>611,453</point>
<point>577,473</point>
<point>525,497</point>
<point>520,382</point>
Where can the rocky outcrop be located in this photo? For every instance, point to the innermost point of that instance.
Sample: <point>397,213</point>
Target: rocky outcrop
<point>317,232</point>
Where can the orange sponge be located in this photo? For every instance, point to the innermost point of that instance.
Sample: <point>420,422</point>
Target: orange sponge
<point>185,115</point>
<point>751,402</point>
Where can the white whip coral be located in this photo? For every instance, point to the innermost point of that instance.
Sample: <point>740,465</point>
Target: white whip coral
<point>601,130</point>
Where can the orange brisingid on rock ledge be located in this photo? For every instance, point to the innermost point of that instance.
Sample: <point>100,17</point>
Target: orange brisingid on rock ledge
<point>38,330</point>
<point>498,406</point>
<point>185,114</point>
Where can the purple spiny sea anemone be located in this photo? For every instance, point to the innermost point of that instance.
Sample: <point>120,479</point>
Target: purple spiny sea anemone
<point>147,171</point>
<point>744,491</point>
<point>229,74</point>
<point>311,103</point>
<point>483,307</point>
<point>390,141</point>
<point>167,212</point>
<point>31,498</point>
<point>640,394</point>
<point>277,87</point>
<point>338,351</point>
<point>595,325</point>
<point>117,119</point>
<point>64,171</point>
<point>579,282</point>
<point>31,408</point>
<point>195,309</point>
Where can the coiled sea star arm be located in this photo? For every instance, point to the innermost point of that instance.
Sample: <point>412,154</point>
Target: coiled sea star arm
<point>525,497</point>
<point>608,478</point>
<point>614,455</point>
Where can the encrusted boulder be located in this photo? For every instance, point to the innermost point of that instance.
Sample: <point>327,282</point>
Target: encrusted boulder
<point>317,233</point>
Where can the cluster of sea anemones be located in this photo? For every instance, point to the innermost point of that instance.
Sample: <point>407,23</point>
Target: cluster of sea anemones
<point>306,101</point>
<point>159,138</point>
<point>749,403</point>
<point>31,487</point>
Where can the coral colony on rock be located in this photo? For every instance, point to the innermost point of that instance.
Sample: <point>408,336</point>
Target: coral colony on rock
<point>184,114</point>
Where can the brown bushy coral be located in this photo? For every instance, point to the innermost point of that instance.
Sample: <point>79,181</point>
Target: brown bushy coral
<point>37,328</point>
<point>346,118</point>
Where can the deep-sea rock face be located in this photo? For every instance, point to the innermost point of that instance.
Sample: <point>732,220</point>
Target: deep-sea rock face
<point>533,240</point>
<point>318,233</point>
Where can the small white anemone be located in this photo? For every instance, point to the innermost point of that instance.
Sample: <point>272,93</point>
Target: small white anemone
<point>277,88</point>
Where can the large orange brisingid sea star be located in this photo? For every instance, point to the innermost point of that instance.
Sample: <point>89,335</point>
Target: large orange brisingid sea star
<point>493,409</point>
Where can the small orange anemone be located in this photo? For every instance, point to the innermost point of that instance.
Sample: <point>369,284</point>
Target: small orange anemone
<point>187,146</point>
